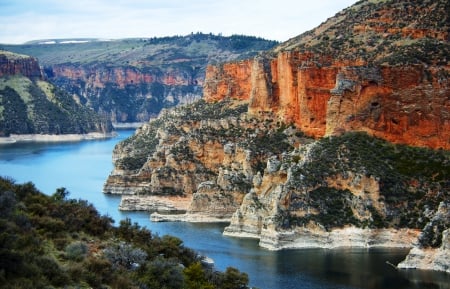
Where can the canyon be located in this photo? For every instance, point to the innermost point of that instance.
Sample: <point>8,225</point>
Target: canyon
<point>132,80</point>
<point>341,131</point>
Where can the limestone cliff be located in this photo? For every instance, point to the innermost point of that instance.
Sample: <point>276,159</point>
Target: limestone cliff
<point>31,105</point>
<point>207,151</point>
<point>436,257</point>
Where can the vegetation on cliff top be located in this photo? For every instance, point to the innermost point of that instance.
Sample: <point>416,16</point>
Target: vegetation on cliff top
<point>57,242</point>
<point>153,52</point>
<point>394,32</point>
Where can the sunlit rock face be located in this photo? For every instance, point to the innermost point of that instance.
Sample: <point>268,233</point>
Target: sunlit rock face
<point>402,104</point>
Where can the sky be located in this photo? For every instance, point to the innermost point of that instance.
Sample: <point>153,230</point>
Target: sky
<point>25,20</point>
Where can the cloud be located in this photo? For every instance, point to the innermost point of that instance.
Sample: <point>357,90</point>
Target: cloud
<point>24,20</point>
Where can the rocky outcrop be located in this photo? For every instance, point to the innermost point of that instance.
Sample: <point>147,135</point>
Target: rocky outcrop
<point>338,238</point>
<point>433,249</point>
<point>209,152</point>
<point>361,70</point>
<point>13,64</point>
<point>165,205</point>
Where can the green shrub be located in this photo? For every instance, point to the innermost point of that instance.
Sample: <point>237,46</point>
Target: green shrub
<point>76,251</point>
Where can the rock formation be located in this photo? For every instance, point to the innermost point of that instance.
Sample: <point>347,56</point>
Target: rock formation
<point>12,64</point>
<point>341,131</point>
<point>397,103</point>
<point>436,256</point>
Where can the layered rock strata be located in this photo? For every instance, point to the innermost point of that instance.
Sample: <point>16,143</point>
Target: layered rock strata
<point>12,64</point>
<point>402,104</point>
<point>33,109</point>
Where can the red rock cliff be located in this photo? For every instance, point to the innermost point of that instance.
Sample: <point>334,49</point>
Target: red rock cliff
<point>228,80</point>
<point>12,64</point>
<point>99,76</point>
<point>402,104</point>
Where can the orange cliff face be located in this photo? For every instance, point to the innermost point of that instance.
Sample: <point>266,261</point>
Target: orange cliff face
<point>228,80</point>
<point>402,104</point>
<point>26,66</point>
<point>99,76</point>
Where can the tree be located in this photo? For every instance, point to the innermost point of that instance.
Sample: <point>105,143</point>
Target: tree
<point>195,277</point>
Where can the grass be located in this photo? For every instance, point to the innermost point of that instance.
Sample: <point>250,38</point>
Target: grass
<point>20,84</point>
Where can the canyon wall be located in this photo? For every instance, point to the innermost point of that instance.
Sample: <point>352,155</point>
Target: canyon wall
<point>97,76</point>
<point>402,104</point>
<point>337,137</point>
<point>126,93</point>
<point>13,64</point>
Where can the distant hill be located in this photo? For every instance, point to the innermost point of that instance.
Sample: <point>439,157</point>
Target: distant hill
<point>31,105</point>
<point>131,80</point>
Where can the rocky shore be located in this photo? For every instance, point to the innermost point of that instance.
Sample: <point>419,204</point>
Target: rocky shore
<point>429,258</point>
<point>13,138</point>
<point>191,218</point>
<point>127,125</point>
<point>301,238</point>
<point>165,205</point>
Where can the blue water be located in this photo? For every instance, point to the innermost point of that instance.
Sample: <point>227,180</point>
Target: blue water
<point>82,167</point>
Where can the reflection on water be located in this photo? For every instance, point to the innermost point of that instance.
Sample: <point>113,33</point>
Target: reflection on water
<point>82,168</point>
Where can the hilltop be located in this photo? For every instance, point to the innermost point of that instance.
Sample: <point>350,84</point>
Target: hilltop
<point>381,32</point>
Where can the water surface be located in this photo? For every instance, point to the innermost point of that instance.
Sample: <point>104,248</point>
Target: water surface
<point>82,167</point>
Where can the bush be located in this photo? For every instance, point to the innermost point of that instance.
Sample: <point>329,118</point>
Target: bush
<point>76,251</point>
<point>124,255</point>
<point>162,273</point>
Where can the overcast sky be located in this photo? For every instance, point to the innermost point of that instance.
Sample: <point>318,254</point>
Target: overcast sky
<point>25,20</point>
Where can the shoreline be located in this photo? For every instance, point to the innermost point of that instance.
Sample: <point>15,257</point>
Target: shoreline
<point>337,238</point>
<point>187,218</point>
<point>21,138</point>
<point>127,125</point>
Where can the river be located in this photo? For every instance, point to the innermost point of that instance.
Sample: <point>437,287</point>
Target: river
<point>82,167</point>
